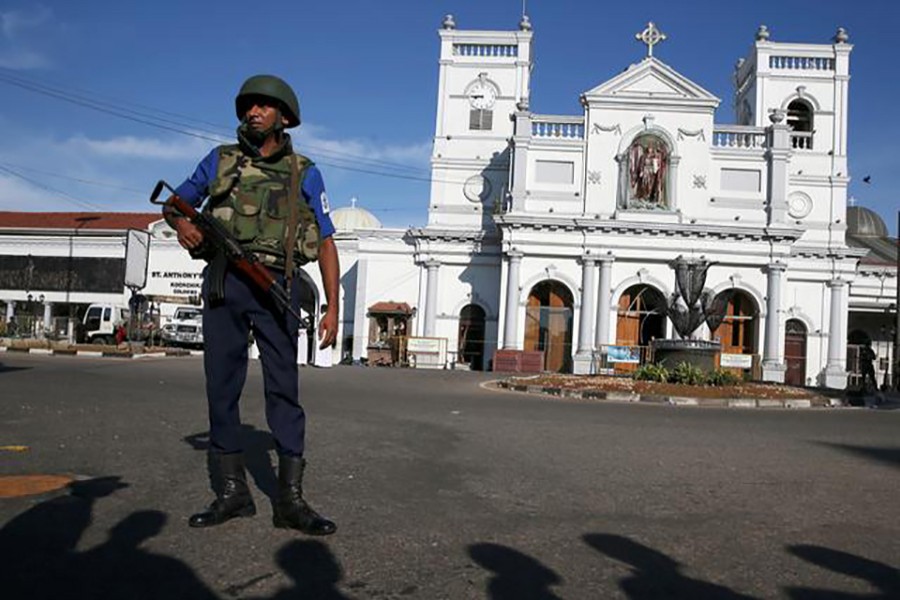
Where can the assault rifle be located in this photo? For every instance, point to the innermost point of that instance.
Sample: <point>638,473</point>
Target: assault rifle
<point>219,240</point>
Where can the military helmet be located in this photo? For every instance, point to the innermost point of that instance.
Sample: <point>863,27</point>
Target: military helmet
<point>271,87</point>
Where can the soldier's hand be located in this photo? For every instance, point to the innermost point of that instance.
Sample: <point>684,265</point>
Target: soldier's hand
<point>328,326</point>
<point>189,235</point>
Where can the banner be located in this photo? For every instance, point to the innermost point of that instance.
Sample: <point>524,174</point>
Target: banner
<point>623,354</point>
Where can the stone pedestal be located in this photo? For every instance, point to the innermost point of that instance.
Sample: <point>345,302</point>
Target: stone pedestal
<point>773,372</point>
<point>583,363</point>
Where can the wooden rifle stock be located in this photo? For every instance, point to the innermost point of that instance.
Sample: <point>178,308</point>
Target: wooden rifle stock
<point>245,262</point>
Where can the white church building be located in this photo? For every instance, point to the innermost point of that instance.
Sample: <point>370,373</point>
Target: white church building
<point>553,235</point>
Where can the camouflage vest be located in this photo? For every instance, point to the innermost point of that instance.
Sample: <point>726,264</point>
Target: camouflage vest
<point>250,197</point>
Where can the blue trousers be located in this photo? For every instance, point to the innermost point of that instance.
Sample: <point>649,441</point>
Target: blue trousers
<point>226,329</point>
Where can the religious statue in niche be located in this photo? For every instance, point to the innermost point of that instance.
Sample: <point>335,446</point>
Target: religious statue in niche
<point>648,167</point>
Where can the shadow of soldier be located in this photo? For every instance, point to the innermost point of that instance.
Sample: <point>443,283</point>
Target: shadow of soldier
<point>314,570</point>
<point>37,547</point>
<point>517,576</point>
<point>654,574</point>
<point>882,577</point>
<point>258,446</point>
<point>120,568</point>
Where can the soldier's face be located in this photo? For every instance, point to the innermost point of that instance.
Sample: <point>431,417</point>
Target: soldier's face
<point>260,113</point>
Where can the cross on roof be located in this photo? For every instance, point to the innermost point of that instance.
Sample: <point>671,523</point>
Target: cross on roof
<point>650,36</point>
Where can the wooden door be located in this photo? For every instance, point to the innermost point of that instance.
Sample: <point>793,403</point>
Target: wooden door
<point>548,325</point>
<point>795,352</point>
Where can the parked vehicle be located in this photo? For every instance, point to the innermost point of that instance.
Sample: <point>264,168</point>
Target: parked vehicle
<point>100,323</point>
<point>185,329</point>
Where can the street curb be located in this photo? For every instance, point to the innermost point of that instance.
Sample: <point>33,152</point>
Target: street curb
<point>631,397</point>
<point>98,353</point>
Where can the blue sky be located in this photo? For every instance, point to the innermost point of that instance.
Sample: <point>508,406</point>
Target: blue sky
<point>366,73</point>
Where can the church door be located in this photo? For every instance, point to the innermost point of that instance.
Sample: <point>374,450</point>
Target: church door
<point>470,349</point>
<point>737,333</point>
<point>548,325</point>
<point>641,318</point>
<point>795,352</point>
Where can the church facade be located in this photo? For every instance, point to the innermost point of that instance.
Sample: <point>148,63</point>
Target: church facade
<point>556,234</point>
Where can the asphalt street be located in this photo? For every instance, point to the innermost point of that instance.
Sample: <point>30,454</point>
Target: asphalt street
<point>442,489</point>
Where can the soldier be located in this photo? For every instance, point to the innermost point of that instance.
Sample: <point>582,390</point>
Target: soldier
<point>272,200</point>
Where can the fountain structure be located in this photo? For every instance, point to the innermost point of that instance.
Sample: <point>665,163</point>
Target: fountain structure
<point>689,308</point>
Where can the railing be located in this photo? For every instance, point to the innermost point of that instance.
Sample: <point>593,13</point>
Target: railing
<point>739,136</point>
<point>802,140</point>
<point>801,63</point>
<point>485,50</point>
<point>571,128</point>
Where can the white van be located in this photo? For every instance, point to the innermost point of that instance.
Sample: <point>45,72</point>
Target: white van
<point>100,321</point>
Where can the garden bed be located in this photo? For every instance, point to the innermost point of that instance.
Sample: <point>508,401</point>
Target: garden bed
<point>626,385</point>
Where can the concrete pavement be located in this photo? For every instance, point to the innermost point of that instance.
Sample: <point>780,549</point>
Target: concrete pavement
<point>441,489</point>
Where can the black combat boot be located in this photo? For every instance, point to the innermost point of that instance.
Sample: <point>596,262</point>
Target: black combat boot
<point>235,499</point>
<point>291,510</point>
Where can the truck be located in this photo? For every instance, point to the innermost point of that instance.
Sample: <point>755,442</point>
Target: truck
<point>185,328</point>
<point>98,326</point>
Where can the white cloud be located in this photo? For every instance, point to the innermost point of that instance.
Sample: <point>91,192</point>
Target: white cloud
<point>18,31</point>
<point>316,142</point>
<point>19,195</point>
<point>176,148</point>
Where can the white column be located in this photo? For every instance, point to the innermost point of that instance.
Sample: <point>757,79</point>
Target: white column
<point>835,368</point>
<point>48,318</point>
<point>511,316</point>
<point>778,154</point>
<point>360,322</point>
<point>584,356</point>
<point>10,309</point>
<point>604,297</point>
<point>431,297</point>
<point>772,365</point>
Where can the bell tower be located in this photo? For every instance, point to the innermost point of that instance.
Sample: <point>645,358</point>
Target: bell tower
<point>483,76</point>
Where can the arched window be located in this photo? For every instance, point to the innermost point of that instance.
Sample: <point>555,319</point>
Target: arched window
<point>800,120</point>
<point>644,183</point>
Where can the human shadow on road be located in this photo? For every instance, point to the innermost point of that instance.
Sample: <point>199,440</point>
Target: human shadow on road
<point>40,559</point>
<point>654,574</point>
<point>36,547</point>
<point>120,568</point>
<point>314,570</point>
<point>258,446</point>
<point>516,576</point>
<point>884,578</point>
<point>889,456</point>
<point>8,369</point>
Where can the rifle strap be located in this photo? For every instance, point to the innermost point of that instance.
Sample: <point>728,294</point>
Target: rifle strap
<point>215,277</point>
<point>291,242</point>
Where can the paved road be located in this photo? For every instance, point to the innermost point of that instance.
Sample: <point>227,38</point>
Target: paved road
<point>442,489</point>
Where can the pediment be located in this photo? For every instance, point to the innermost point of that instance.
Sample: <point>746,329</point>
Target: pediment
<point>652,80</point>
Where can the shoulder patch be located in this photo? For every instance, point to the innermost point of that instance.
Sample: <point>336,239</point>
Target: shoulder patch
<point>323,198</point>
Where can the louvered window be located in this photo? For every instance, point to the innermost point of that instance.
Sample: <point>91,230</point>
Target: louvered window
<point>481,120</point>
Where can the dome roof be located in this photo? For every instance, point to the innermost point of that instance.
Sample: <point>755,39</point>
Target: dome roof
<point>864,222</point>
<point>353,217</point>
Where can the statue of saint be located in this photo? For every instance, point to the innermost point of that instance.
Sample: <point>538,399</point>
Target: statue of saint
<point>649,164</point>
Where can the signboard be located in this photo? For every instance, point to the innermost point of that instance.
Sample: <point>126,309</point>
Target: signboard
<point>736,361</point>
<point>623,354</point>
<point>427,353</point>
<point>137,251</point>
<point>424,345</point>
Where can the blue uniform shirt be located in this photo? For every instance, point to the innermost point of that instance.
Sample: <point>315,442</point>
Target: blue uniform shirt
<point>195,189</point>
